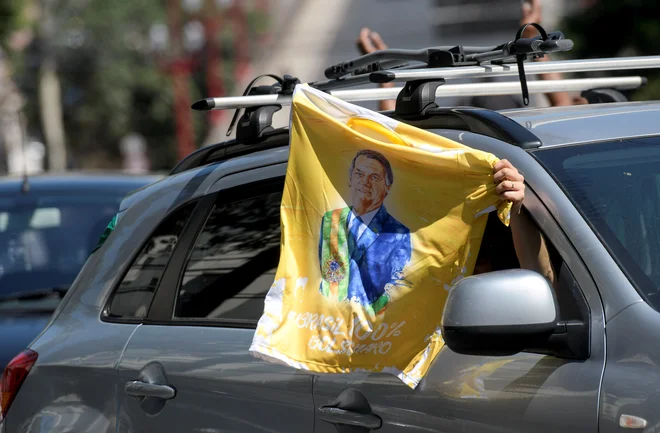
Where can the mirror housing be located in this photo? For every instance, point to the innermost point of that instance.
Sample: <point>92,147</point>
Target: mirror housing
<point>499,313</point>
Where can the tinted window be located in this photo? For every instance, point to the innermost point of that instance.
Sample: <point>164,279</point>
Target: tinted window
<point>233,262</point>
<point>136,291</point>
<point>616,186</point>
<point>45,240</point>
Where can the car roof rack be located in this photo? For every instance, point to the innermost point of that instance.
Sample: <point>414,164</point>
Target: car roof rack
<point>426,79</point>
<point>452,56</point>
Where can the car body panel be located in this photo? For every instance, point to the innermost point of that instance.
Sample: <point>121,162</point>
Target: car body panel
<point>72,385</point>
<point>631,384</point>
<point>18,330</point>
<point>276,170</point>
<point>557,126</point>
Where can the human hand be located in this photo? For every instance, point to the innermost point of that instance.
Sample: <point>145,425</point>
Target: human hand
<point>579,100</point>
<point>510,184</point>
<point>530,12</point>
<point>369,41</point>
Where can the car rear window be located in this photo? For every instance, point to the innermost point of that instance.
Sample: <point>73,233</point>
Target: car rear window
<point>132,298</point>
<point>616,186</point>
<point>45,240</point>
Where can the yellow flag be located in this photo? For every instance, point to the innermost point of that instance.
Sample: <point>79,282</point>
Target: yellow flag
<point>379,219</point>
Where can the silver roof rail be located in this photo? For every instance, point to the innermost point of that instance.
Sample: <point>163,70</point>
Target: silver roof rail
<point>448,90</point>
<point>492,70</point>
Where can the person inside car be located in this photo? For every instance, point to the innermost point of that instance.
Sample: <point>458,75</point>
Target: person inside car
<point>529,247</point>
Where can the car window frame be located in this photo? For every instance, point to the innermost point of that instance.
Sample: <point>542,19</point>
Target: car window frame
<point>577,267</point>
<point>162,307</point>
<point>199,207</point>
<point>553,234</point>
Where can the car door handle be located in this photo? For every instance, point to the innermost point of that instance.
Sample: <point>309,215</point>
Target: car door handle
<point>137,388</point>
<point>340,416</point>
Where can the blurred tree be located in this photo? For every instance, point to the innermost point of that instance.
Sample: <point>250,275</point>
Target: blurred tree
<point>11,19</point>
<point>50,91</point>
<point>11,101</point>
<point>113,80</point>
<point>611,28</point>
<point>110,83</point>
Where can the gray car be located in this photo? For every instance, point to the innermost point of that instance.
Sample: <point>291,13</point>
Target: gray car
<point>154,333</point>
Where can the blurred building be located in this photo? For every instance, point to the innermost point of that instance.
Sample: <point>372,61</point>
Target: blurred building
<point>451,17</point>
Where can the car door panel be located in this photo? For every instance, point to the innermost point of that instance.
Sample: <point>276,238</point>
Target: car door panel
<point>187,366</point>
<point>219,385</point>
<point>524,392</point>
<point>469,393</point>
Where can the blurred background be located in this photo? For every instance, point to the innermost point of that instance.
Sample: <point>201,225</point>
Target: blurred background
<point>108,84</point>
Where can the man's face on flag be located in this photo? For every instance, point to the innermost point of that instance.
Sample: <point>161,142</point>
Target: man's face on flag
<point>368,184</point>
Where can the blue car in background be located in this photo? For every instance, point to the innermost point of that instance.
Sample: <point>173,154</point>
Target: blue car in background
<point>49,224</point>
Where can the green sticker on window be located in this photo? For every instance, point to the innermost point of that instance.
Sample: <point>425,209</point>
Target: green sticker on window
<point>106,233</point>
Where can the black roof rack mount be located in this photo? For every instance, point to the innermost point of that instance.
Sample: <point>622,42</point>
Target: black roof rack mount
<point>456,56</point>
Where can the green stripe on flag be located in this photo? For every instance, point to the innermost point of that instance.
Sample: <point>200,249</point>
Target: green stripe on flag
<point>325,250</point>
<point>343,253</point>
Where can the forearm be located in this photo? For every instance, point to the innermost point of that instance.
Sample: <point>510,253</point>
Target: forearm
<point>530,246</point>
<point>389,104</point>
<point>532,14</point>
<point>556,98</point>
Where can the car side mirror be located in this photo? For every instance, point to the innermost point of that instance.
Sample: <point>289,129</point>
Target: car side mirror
<point>499,313</point>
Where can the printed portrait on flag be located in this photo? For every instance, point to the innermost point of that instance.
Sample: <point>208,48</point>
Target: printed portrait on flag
<point>362,248</point>
<point>379,220</point>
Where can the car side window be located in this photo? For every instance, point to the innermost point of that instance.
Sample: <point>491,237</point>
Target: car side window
<point>133,296</point>
<point>233,261</point>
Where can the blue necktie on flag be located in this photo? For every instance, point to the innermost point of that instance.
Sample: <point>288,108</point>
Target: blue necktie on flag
<point>353,231</point>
